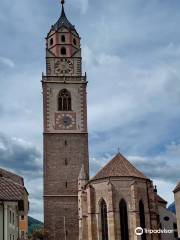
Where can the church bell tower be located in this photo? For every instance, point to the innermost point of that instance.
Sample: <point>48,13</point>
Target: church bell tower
<point>65,130</point>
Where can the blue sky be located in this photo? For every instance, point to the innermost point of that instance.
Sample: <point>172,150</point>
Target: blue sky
<point>131,53</point>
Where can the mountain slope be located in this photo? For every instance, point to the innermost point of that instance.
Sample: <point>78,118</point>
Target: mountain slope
<point>34,224</point>
<point>172,207</point>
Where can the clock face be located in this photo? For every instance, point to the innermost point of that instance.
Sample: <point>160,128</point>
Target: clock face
<point>63,66</point>
<point>65,121</point>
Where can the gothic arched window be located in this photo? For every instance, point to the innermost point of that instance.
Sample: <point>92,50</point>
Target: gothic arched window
<point>64,100</point>
<point>142,218</point>
<point>63,51</point>
<point>124,220</point>
<point>104,222</point>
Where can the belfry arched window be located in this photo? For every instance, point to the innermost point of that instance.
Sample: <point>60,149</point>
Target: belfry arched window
<point>63,51</point>
<point>104,221</point>
<point>123,220</point>
<point>142,218</point>
<point>63,38</point>
<point>64,100</point>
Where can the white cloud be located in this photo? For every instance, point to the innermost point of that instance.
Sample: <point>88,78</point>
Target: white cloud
<point>8,62</point>
<point>81,4</point>
<point>121,93</point>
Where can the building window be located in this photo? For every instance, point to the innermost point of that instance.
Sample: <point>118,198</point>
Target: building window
<point>74,41</point>
<point>66,184</point>
<point>124,220</point>
<point>166,218</point>
<point>13,218</point>
<point>142,218</point>
<point>104,222</point>
<point>22,217</point>
<point>63,51</point>
<point>66,161</point>
<point>10,237</point>
<point>63,39</point>
<point>10,216</point>
<point>51,41</point>
<point>64,100</point>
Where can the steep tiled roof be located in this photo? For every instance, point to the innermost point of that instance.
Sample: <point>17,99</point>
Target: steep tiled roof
<point>10,191</point>
<point>119,166</point>
<point>177,188</point>
<point>14,177</point>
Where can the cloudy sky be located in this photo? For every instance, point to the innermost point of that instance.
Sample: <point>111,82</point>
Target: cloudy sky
<point>131,53</point>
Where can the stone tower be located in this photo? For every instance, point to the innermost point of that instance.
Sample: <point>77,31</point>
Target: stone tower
<point>65,130</point>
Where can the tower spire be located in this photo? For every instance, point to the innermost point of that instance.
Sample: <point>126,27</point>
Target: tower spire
<point>62,12</point>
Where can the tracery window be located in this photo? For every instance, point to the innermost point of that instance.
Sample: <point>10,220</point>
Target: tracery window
<point>104,222</point>
<point>64,100</point>
<point>142,218</point>
<point>123,220</point>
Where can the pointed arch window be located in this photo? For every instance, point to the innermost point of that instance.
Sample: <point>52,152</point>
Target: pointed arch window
<point>64,100</point>
<point>142,218</point>
<point>124,220</point>
<point>104,222</point>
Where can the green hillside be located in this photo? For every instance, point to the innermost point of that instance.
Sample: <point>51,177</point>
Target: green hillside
<point>34,224</point>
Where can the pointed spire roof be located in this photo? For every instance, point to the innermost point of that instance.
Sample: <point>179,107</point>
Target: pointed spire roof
<point>63,21</point>
<point>119,166</point>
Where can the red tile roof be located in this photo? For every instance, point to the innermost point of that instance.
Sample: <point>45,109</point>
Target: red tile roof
<point>14,177</point>
<point>119,166</point>
<point>10,191</point>
<point>177,188</point>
